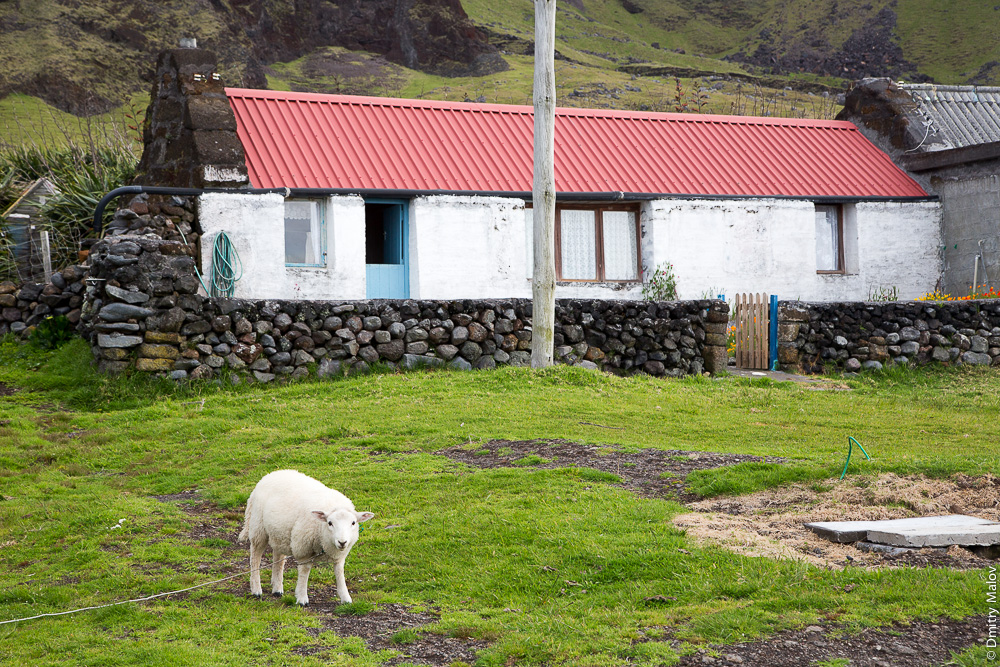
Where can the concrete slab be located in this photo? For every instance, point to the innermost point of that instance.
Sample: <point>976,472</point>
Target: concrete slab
<point>927,531</point>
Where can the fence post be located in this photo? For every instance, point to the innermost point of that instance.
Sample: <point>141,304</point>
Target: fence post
<point>46,255</point>
<point>772,352</point>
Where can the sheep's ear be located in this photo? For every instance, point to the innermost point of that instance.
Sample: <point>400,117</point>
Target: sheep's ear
<point>320,514</point>
<point>364,516</point>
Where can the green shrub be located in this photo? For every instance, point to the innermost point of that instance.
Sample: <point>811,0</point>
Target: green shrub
<point>662,285</point>
<point>52,332</point>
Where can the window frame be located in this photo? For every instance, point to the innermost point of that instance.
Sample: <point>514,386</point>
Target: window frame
<point>599,210</point>
<point>841,255</point>
<point>321,230</point>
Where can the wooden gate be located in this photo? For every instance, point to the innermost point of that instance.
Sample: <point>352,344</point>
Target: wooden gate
<point>752,327</point>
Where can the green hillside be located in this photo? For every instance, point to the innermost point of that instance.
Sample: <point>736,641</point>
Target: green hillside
<point>760,57</point>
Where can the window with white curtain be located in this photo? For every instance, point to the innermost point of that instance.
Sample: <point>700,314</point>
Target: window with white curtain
<point>829,239</point>
<point>304,233</point>
<point>621,249</point>
<point>578,245</point>
<point>597,244</point>
<point>593,243</point>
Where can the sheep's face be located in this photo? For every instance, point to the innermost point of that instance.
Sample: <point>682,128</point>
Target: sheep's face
<point>341,531</point>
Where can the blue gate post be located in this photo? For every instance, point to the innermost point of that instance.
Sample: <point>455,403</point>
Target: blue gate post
<point>772,352</point>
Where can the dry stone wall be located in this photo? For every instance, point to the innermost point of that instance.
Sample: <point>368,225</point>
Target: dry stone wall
<point>24,306</point>
<point>143,311</point>
<point>856,336</point>
<point>172,330</point>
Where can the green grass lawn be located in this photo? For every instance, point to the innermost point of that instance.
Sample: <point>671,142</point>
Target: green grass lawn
<point>549,566</point>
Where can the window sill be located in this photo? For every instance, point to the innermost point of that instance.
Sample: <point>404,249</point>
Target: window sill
<point>831,273</point>
<point>618,285</point>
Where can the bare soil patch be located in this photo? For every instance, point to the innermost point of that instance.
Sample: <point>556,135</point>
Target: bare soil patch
<point>378,627</point>
<point>770,523</point>
<point>650,473</point>
<point>213,521</point>
<point>6,390</point>
<point>920,644</point>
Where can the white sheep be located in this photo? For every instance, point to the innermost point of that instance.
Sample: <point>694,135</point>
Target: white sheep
<point>297,515</point>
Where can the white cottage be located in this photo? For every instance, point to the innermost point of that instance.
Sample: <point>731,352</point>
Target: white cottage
<point>392,198</point>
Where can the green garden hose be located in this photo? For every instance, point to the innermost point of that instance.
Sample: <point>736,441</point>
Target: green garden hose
<point>223,256</point>
<point>225,264</point>
<point>850,448</point>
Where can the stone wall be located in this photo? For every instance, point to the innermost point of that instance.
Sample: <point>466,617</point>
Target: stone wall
<point>855,336</point>
<point>24,306</point>
<point>143,312</point>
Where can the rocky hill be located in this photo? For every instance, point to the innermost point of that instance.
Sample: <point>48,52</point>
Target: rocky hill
<point>83,57</point>
<point>87,56</point>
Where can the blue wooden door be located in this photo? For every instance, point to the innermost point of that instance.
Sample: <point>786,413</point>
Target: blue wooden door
<point>387,270</point>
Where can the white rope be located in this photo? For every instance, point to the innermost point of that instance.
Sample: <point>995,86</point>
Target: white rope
<point>149,597</point>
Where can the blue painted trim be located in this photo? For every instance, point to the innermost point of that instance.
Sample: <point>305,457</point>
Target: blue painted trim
<point>405,205</point>
<point>772,352</point>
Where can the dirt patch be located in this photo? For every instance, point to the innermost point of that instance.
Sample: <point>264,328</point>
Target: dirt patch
<point>378,627</point>
<point>6,390</point>
<point>213,521</point>
<point>770,523</point>
<point>650,473</point>
<point>920,644</point>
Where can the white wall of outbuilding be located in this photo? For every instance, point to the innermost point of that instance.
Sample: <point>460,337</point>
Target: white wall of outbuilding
<point>478,247</point>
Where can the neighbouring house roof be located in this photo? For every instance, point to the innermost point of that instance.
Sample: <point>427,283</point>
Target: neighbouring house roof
<point>31,199</point>
<point>305,140</point>
<point>957,116</point>
<point>930,126</point>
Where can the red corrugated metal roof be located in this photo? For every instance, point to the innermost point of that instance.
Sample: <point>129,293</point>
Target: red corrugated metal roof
<point>305,140</point>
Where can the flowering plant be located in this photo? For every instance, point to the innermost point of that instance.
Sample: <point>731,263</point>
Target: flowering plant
<point>662,285</point>
<point>974,294</point>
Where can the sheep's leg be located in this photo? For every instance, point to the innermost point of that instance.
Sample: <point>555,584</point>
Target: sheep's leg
<point>255,555</point>
<point>302,584</point>
<point>277,573</point>
<point>342,593</point>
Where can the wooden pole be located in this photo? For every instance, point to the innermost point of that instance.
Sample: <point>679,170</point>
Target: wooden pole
<point>543,285</point>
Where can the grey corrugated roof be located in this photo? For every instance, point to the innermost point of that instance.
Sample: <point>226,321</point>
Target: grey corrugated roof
<point>956,116</point>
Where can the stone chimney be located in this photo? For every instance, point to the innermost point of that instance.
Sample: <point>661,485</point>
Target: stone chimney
<point>189,133</point>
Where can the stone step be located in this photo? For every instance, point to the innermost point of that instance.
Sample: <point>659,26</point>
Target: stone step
<point>927,531</point>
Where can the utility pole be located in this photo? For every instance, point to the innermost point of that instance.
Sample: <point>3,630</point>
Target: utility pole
<point>543,284</point>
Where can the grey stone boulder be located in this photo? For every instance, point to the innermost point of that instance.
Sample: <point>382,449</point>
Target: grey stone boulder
<point>120,312</point>
<point>414,361</point>
<point>940,354</point>
<point>329,368</point>
<point>126,295</point>
<point>393,350</point>
<point>976,358</point>
<point>446,352</point>
<point>459,364</point>
<point>117,340</point>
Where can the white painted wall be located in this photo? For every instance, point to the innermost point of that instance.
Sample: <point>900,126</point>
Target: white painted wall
<point>477,247</point>
<point>255,225</point>
<point>467,247</point>
<point>769,245</point>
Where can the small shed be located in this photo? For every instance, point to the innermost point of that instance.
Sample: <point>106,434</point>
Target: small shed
<point>24,233</point>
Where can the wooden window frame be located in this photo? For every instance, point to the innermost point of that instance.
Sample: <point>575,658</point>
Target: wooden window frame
<point>598,210</point>
<point>841,256</point>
